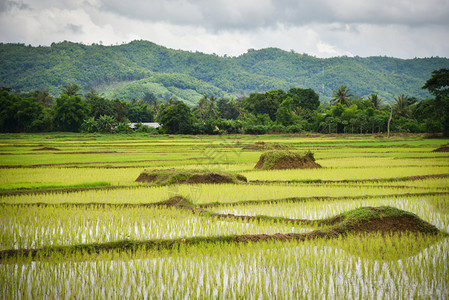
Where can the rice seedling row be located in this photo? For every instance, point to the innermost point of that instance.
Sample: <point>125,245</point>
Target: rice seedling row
<point>358,171</point>
<point>351,267</point>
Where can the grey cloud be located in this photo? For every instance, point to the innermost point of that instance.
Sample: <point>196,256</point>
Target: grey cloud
<point>404,28</point>
<point>72,28</point>
<point>237,14</point>
<point>6,5</point>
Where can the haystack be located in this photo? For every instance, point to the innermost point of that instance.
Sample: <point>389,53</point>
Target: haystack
<point>173,176</point>
<point>278,160</point>
<point>442,149</point>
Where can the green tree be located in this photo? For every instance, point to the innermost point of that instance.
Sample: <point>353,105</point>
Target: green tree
<point>206,108</point>
<point>402,104</point>
<point>176,118</point>
<point>89,125</point>
<point>70,89</point>
<point>438,85</point>
<point>285,115</point>
<point>304,99</point>
<point>342,96</point>
<point>120,108</point>
<point>17,113</point>
<point>149,98</point>
<point>227,109</point>
<point>350,115</point>
<point>106,123</point>
<point>70,112</point>
<point>429,112</point>
<point>44,122</point>
<point>44,98</point>
<point>267,103</point>
<point>376,101</point>
<point>98,105</point>
<point>140,113</point>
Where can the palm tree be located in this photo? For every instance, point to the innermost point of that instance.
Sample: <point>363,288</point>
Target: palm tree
<point>375,101</point>
<point>206,108</point>
<point>402,106</point>
<point>70,89</point>
<point>341,96</point>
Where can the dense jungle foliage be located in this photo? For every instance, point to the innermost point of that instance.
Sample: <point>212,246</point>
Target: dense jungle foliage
<point>275,111</point>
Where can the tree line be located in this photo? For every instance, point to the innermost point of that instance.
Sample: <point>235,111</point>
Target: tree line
<point>275,111</point>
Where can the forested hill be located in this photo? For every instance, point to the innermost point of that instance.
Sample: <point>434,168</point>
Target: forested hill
<point>130,70</point>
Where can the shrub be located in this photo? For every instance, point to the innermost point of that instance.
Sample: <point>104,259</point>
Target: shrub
<point>256,129</point>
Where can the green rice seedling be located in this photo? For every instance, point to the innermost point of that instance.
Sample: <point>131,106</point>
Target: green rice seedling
<point>426,207</point>
<point>208,193</point>
<point>28,178</point>
<point>355,266</point>
<point>381,162</point>
<point>343,174</point>
<point>310,269</point>
<point>228,193</point>
<point>27,227</point>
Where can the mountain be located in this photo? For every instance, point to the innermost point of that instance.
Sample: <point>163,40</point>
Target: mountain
<point>130,70</point>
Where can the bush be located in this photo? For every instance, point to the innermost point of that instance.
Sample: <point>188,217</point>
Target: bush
<point>256,129</point>
<point>297,128</point>
<point>89,125</point>
<point>123,127</point>
<point>146,129</point>
<point>278,129</point>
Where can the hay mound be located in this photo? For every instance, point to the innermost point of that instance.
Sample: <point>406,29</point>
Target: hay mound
<point>279,160</point>
<point>173,176</point>
<point>46,149</point>
<point>262,146</point>
<point>174,201</point>
<point>442,149</point>
<point>385,219</point>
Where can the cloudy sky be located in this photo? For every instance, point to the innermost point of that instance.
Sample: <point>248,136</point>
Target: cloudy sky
<point>324,28</point>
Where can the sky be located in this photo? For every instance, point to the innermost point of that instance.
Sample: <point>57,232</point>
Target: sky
<point>323,28</point>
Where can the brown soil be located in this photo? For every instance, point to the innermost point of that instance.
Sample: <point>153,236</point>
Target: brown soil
<point>265,146</point>
<point>384,225</point>
<point>442,149</point>
<point>209,178</point>
<point>287,162</point>
<point>76,140</point>
<point>170,202</point>
<point>389,225</point>
<point>88,152</point>
<point>46,149</point>
<point>198,178</point>
<point>145,177</point>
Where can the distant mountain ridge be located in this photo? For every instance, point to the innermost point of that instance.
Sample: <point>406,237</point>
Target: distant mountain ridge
<point>130,70</point>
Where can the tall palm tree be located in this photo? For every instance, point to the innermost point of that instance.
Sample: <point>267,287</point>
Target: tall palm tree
<point>402,106</point>
<point>375,101</point>
<point>342,96</point>
<point>70,89</point>
<point>206,108</point>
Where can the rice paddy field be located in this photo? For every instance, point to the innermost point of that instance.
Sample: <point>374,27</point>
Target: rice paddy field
<point>75,223</point>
